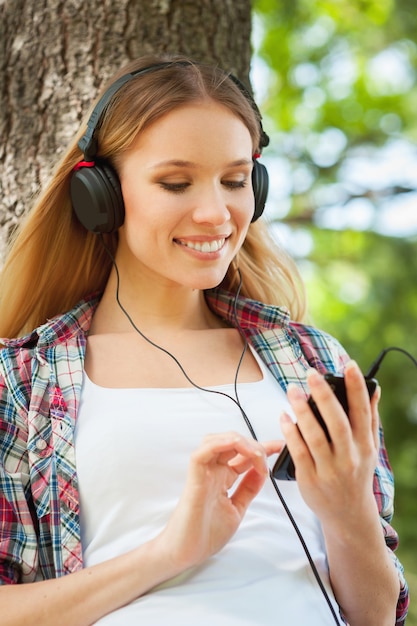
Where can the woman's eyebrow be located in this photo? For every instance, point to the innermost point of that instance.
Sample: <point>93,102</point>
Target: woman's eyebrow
<point>175,163</point>
<point>184,163</point>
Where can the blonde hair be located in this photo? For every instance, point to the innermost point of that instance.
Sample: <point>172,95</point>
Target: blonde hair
<point>53,261</point>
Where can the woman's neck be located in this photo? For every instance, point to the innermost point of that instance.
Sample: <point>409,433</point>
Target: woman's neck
<point>159,307</point>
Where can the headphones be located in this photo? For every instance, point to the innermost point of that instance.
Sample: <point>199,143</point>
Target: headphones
<point>95,190</point>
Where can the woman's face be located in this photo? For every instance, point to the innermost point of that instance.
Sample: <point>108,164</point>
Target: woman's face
<point>186,184</point>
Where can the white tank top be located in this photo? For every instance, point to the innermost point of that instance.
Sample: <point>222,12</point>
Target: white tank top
<point>132,453</point>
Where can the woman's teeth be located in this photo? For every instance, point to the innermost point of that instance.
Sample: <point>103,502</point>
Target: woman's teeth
<point>204,246</point>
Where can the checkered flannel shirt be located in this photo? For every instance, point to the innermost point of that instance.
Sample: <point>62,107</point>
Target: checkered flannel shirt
<point>40,384</point>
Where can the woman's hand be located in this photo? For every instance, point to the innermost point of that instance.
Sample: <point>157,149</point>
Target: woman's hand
<point>214,501</point>
<point>336,481</point>
<point>334,478</point>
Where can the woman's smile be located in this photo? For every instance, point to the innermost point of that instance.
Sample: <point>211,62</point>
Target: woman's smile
<point>202,245</point>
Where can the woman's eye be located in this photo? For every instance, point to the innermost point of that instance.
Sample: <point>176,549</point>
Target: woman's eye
<point>235,184</point>
<point>183,186</point>
<point>174,187</point>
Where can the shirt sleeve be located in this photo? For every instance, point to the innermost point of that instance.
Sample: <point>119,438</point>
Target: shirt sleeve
<point>384,495</point>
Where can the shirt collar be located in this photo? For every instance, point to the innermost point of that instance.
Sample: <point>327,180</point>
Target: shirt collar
<point>250,314</point>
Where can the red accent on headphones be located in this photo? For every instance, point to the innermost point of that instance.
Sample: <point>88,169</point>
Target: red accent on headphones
<point>84,164</point>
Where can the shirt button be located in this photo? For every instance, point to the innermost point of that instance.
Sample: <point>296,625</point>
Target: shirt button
<point>41,444</point>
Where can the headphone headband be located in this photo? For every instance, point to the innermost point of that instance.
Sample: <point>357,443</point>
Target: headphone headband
<point>88,144</point>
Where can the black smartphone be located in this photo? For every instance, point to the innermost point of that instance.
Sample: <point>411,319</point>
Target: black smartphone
<point>284,467</point>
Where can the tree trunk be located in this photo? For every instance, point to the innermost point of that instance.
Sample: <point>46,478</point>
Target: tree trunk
<point>55,54</point>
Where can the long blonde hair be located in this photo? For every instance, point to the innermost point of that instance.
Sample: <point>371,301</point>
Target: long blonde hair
<point>53,262</point>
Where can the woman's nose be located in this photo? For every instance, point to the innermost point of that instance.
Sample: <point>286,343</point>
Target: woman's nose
<point>212,208</point>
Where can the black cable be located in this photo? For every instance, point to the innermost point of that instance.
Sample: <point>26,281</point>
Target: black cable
<point>376,364</point>
<point>273,480</point>
<point>237,403</point>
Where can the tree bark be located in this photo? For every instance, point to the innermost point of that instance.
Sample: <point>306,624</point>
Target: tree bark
<point>55,54</point>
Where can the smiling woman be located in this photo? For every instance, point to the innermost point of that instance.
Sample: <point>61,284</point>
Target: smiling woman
<point>139,415</point>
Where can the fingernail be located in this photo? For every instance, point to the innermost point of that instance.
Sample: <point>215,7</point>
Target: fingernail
<point>285,418</point>
<point>351,365</point>
<point>294,392</point>
<point>314,377</point>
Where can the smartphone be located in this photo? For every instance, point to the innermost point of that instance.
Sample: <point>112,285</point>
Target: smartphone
<point>284,467</point>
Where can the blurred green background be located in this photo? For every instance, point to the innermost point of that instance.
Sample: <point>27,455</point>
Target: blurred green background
<point>336,82</point>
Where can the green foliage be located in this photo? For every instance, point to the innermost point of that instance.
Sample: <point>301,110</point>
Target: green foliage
<point>341,75</point>
<point>328,64</point>
<point>341,90</point>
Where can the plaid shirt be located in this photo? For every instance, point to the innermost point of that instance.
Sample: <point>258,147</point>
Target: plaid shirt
<point>40,384</point>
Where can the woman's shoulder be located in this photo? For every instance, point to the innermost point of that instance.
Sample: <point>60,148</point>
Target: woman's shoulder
<point>320,349</point>
<point>21,356</point>
<point>58,329</point>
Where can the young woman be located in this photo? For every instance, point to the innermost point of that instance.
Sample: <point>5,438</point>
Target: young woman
<point>159,342</point>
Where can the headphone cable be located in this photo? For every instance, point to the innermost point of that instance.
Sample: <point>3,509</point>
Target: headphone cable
<point>273,480</point>
<point>238,404</point>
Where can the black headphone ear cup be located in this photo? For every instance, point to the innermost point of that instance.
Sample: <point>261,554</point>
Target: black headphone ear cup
<point>260,184</point>
<point>97,198</point>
